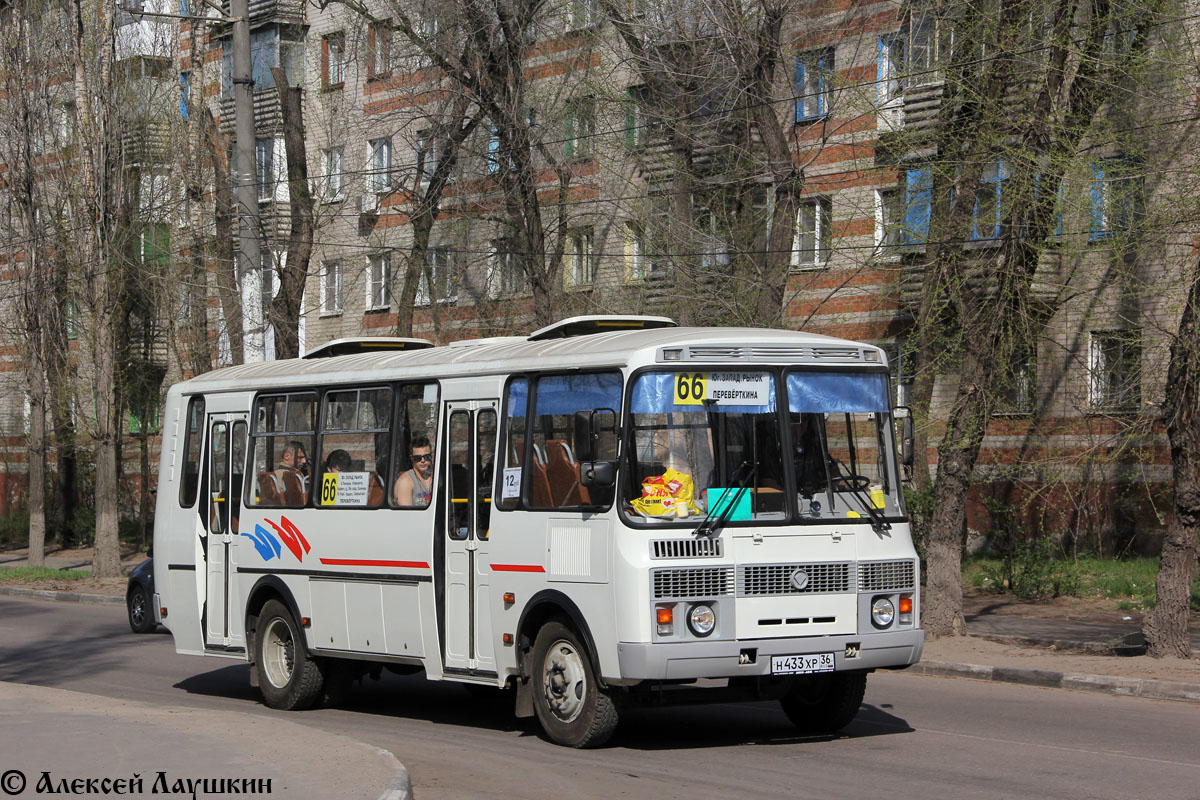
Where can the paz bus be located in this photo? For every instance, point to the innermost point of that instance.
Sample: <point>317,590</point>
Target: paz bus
<point>608,511</point>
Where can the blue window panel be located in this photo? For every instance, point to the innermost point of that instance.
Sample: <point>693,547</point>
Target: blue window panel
<point>566,394</point>
<point>918,205</point>
<point>185,90</point>
<point>837,392</point>
<point>1098,228</point>
<point>800,91</point>
<point>493,154</point>
<point>518,397</point>
<point>654,393</point>
<point>992,194</point>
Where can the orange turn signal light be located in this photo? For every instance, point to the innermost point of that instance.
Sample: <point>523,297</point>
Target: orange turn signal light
<point>306,622</point>
<point>508,638</point>
<point>510,598</point>
<point>905,604</point>
<point>666,615</point>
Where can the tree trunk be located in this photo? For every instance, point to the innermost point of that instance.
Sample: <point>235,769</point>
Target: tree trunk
<point>228,293</point>
<point>36,375</point>
<point>1166,628</point>
<point>60,379</point>
<point>285,308</point>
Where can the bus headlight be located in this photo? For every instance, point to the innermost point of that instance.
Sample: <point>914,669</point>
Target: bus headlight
<point>701,619</point>
<point>882,612</point>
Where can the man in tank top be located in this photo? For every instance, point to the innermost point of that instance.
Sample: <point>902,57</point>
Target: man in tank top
<point>414,486</point>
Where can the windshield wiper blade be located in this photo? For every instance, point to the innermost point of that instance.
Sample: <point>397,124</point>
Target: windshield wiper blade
<point>709,526</point>
<point>878,523</point>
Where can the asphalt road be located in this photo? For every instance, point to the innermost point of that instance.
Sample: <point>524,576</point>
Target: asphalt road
<point>915,737</point>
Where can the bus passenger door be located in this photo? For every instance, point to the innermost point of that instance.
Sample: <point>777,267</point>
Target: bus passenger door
<point>226,460</point>
<point>468,457</point>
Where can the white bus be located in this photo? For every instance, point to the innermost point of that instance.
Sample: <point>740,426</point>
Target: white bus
<point>606,512</point>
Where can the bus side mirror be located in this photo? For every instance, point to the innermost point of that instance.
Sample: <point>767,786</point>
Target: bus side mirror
<point>585,440</point>
<point>597,473</point>
<point>903,414</point>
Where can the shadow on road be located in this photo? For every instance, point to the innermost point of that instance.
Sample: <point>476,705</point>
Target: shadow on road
<point>665,728</point>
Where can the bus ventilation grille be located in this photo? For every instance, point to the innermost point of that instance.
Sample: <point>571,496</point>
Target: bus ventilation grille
<point>756,580</point>
<point>769,353</point>
<point>885,576</point>
<point>695,583</point>
<point>686,548</point>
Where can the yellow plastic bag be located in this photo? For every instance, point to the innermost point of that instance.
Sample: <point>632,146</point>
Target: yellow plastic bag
<point>666,495</point>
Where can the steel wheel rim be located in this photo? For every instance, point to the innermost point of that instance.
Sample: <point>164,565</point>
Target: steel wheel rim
<point>137,608</point>
<point>564,681</point>
<point>279,653</point>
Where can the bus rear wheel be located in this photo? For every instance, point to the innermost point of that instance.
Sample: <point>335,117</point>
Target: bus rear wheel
<point>824,703</point>
<point>569,702</point>
<point>289,677</point>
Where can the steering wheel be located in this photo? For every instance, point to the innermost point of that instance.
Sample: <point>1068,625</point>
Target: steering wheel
<point>851,482</point>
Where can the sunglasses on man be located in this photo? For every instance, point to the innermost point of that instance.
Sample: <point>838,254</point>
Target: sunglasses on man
<point>425,457</point>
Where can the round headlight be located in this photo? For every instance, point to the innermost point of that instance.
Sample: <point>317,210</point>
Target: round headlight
<point>882,612</point>
<point>702,619</point>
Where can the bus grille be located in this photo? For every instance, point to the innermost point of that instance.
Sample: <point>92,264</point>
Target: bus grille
<point>698,582</point>
<point>883,576</point>
<point>767,579</point>
<point>773,353</point>
<point>686,548</point>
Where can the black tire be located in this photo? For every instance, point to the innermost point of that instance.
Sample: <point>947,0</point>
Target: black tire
<point>569,702</point>
<point>289,677</point>
<point>824,703</point>
<point>340,675</point>
<point>141,615</point>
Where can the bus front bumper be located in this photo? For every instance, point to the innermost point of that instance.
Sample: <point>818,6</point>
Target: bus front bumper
<point>747,657</point>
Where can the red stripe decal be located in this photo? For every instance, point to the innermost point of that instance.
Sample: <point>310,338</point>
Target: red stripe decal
<point>366,562</point>
<point>517,568</point>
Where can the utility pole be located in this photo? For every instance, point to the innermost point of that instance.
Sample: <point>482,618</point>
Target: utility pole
<point>245,172</point>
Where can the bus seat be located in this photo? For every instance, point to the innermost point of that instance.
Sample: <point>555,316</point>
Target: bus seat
<point>375,493</point>
<point>270,490</point>
<point>539,486</point>
<point>562,473</point>
<point>294,491</point>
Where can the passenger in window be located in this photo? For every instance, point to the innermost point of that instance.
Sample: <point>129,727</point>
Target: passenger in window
<point>337,461</point>
<point>292,474</point>
<point>414,487</point>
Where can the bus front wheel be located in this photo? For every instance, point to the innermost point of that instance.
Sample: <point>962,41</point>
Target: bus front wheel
<point>569,702</point>
<point>824,703</point>
<point>289,677</point>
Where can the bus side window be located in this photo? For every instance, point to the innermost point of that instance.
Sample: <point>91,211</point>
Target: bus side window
<point>355,439</point>
<point>512,445</point>
<point>282,439</point>
<point>193,436</point>
<point>554,480</point>
<point>416,420</point>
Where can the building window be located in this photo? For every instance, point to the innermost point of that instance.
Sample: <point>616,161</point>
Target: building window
<point>506,273</point>
<point>578,125</point>
<point>185,92</point>
<point>1017,387</point>
<point>929,43</point>
<point>713,247</point>
<point>888,218</point>
<point>427,157</point>
<point>637,261</point>
<point>380,156</point>
<point>918,205</point>
<point>581,263</point>
<point>379,50</point>
<point>267,51</point>
<point>890,88</point>
<point>264,162</point>
<point>1113,198</point>
<point>333,61</point>
<point>267,286</point>
<point>642,124</point>
<point>814,85</point>
<point>331,287</point>
<point>438,273</point>
<point>333,177</point>
<point>1114,373</point>
<point>985,219</point>
<point>379,272</point>
<point>584,13</point>
<point>813,241</point>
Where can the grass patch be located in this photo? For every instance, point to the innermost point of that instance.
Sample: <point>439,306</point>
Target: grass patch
<point>1129,581</point>
<point>11,574</point>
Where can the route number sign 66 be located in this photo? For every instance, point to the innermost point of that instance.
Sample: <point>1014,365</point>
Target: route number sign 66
<point>690,388</point>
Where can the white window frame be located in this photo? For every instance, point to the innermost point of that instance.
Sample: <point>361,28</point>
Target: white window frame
<point>331,288</point>
<point>584,14</point>
<point>1100,394</point>
<point>427,156</point>
<point>814,91</point>
<point>264,168</point>
<point>506,276</point>
<point>379,158</point>
<point>379,273</point>
<point>822,229</point>
<point>581,258</point>
<point>439,265</point>
<point>637,263</point>
<point>335,60</point>
<point>333,181</point>
<point>889,233</point>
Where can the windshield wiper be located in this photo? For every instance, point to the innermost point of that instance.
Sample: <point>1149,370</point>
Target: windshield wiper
<point>878,523</point>
<point>709,526</point>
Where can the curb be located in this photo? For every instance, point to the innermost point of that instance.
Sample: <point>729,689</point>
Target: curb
<point>399,787</point>
<point>1106,684</point>
<point>63,597</point>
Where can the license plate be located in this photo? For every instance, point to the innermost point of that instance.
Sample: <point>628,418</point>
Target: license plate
<point>802,664</point>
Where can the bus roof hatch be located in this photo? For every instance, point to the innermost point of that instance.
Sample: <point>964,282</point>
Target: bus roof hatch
<point>366,344</point>
<point>599,323</point>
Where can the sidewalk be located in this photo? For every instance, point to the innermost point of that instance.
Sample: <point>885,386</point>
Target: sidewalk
<point>72,743</point>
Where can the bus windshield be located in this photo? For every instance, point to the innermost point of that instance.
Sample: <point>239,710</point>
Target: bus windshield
<point>749,447</point>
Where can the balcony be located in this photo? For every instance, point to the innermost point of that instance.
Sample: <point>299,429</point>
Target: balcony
<point>273,10</point>
<point>267,116</point>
